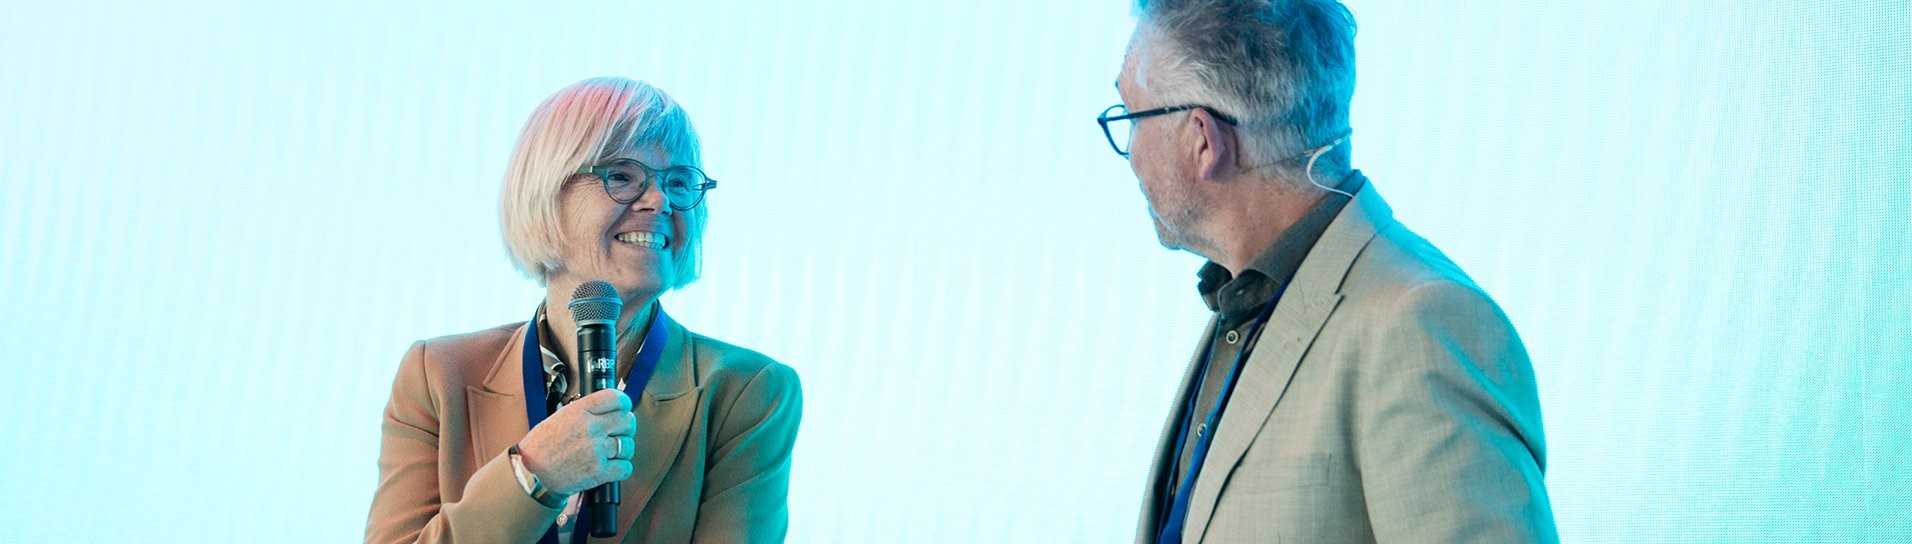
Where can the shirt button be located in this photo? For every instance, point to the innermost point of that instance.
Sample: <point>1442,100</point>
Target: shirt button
<point>1231,337</point>
<point>562,518</point>
<point>1200,429</point>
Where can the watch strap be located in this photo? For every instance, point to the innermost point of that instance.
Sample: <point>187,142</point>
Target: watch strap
<point>529,482</point>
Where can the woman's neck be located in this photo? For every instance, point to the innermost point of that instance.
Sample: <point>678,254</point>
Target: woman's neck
<point>557,315</point>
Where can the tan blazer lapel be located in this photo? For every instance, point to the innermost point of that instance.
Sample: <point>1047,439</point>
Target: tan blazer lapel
<point>495,407</point>
<point>1149,526</point>
<point>1298,318</point>
<point>664,413</point>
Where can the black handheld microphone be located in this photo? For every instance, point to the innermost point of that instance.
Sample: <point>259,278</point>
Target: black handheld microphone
<point>594,306</point>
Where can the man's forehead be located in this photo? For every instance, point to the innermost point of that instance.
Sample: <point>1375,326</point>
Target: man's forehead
<point>1128,72</point>
<point>1134,55</point>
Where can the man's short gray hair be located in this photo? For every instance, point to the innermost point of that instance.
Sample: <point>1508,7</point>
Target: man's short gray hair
<point>1283,68</point>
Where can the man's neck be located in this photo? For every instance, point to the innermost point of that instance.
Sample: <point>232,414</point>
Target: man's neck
<point>1247,222</point>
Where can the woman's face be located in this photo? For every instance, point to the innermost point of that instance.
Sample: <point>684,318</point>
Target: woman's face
<point>629,245</point>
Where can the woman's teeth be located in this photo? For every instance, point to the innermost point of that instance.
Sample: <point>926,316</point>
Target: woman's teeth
<point>647,239</point>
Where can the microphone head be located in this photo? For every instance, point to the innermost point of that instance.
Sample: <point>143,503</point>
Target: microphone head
<point>595,303</point>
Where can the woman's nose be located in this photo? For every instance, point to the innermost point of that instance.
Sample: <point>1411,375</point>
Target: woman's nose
<point>652,199</point>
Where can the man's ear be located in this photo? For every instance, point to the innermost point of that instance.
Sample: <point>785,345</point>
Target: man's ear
<point>1216,148</point>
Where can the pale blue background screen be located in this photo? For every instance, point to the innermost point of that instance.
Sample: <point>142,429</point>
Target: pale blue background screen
<point>222,223</point>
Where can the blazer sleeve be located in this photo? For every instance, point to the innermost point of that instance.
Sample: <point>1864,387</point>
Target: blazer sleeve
<point>408,507</point>
<point>1447,429</point>
<point>747,479</point>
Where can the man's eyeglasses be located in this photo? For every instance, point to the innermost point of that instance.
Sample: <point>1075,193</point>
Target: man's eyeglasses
<point>1119,125</point>
<point>626,180</point>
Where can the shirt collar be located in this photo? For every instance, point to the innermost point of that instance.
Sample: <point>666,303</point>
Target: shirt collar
<point>1235,296</point>
<point>629,342</point>
<point>545,342</point>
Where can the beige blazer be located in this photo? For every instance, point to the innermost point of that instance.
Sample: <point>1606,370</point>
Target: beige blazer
<point>715,427</point>
<point>1388,400</point>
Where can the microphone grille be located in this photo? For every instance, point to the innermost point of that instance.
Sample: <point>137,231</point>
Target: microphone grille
<point>595,301</point>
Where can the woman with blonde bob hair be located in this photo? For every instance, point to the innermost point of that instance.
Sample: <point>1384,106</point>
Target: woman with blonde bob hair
<point>487,437</point>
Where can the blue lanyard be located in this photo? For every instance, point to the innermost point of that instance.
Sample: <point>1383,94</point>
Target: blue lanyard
<point>1177,513</point>
<point>534,395</point>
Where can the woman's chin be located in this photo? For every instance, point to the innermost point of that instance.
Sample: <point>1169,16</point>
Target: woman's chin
<point>641,289</point>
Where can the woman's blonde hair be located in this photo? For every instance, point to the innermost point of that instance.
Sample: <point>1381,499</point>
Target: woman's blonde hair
<point>590,122</point>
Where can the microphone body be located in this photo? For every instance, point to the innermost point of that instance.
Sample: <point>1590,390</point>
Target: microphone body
<point>595,307</point>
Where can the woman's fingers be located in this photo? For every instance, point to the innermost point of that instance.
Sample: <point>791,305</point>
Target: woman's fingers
<point>625,448</point>
<point>608,401</point>
<point>617,471</point>
<point>620,424</point>
<point>616,448</point>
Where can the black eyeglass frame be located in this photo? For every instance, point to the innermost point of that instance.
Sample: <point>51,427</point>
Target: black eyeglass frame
<point>1104,119</point>
<point>601,172</point>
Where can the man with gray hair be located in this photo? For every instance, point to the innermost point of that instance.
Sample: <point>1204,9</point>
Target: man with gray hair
<point>1353,384</point>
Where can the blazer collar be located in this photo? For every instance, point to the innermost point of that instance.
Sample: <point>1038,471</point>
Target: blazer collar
<point>1285,339</point>
<point>673,377</point>
<point>665,411</point>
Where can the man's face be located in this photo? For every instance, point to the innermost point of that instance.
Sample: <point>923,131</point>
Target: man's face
<point>1157,155</point>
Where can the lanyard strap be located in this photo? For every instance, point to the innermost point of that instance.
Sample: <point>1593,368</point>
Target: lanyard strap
<point>1177,513</point>
<point>648,354</point>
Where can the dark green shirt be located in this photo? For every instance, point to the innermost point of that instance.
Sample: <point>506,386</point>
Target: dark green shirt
<point>1238,300</point>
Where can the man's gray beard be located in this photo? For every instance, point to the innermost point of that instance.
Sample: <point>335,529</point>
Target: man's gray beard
<point>1173,239</point>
